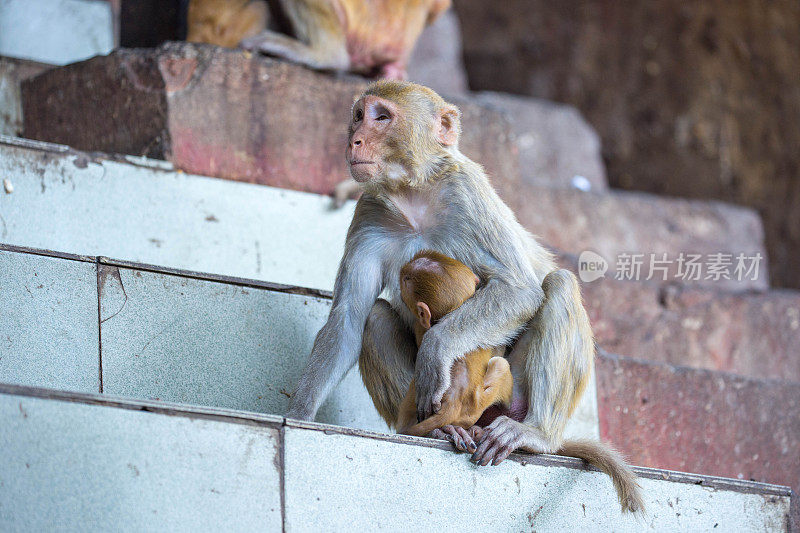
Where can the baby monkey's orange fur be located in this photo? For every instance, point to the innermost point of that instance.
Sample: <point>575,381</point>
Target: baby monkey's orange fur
<point>432,285</point>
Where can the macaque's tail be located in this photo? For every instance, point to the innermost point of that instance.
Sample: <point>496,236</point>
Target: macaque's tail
<point>608,460</point>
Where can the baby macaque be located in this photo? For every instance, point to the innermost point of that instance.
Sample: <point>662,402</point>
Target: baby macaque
<point>432,285</point>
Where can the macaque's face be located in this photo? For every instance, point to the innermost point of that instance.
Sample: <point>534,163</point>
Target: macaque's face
<point>373,126</point>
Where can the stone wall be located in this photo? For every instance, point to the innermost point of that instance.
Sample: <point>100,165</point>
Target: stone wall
<point>697,99</point>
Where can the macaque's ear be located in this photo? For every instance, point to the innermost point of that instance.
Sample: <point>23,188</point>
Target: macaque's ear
<point>477,280</point>
<point>449,126</point>
<point>424,314</point>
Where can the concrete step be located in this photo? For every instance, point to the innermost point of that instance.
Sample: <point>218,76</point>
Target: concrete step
<point>55,31</point>
<point>76,323</point>
<point>633,223</point>
<point>616,224</point>
<point>152,465</point>
<point>149,332</point>
<point>141,211</point>
<point>557,147</point>
<point>717,423</point>
<point>753,334</point>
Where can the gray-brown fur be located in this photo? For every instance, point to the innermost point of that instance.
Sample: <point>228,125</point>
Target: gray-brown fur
<point>447,204</point>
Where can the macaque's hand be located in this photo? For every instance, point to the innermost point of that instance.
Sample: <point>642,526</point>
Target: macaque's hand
<point>463,439</point>
<point>505,435</point>
<point>432,375</point>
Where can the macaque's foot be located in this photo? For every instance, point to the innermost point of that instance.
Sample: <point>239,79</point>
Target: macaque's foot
<point>476,432</point>
<point>505,435</point>
<point>458,437</point>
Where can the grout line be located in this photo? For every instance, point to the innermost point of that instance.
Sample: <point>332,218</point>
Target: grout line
<point>282,480</point>
<point>98,266</point>
<point>202,276</point>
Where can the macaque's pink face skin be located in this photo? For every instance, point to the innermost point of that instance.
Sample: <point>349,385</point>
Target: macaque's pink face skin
<point>373,122</point>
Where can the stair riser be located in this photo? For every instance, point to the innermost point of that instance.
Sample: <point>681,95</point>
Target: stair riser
<point>263,120</point>
<point>183,469</point>
<point>700,421</point>
<point>173,337</point>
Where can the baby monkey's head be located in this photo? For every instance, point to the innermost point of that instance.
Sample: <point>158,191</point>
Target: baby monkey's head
<point>432,285</point>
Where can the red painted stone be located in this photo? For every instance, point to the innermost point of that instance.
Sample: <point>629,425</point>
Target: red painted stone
<point>700,421</point>
<point>228,114</point>
<point>754,334</point>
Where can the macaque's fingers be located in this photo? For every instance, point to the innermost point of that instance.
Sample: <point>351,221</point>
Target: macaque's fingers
<point>469,443</point>
<point>496,423</point>
<point>476,432</point>
<point>487,457</point>
<point>439,434</point>
<point>459,437</point>
<point>504,452</point>
<point>494,437</point>
<point>483,447</point>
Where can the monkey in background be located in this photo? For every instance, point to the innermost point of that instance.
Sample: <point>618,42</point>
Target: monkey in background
<point>421,192</point>
<point>369,37</point>
<point>225,22</point>
<point>432,285</point>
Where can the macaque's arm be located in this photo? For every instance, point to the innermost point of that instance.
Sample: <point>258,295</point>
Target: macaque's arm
<point>492,317</point>
<point>338,343</point>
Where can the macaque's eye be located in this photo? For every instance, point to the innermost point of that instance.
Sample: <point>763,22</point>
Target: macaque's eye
<point>358,115</point>
<point>381,113</point>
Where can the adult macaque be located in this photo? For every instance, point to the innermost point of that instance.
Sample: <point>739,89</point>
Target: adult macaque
<point>225,22</point>
<point>370,37</point>
<point>432,285</point>
<point>420,192</point>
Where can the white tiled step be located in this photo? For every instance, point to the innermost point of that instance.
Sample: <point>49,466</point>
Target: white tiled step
<point>93,463</point>
<point>88,324</point>
<point>145,212</point>
<point>56,31</point>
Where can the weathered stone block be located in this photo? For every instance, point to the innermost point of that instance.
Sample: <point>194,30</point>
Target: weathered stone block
<point>225,113</point>
<point>437,57</point>
<point>616,223</point>
<point>694,99</point>
<point>700,421</point>
<point>751,334</point>
<point>557,147</point>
